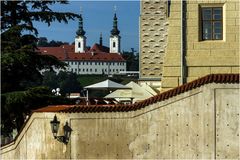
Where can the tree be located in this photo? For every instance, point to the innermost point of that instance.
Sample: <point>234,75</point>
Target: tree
<point>66,81</point>
<point>42,42</point>
<point>20,60</point>
<point>132,60</point>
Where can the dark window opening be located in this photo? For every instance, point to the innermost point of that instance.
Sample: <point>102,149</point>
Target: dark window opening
<point>114,44</point>
<point>211,23</point>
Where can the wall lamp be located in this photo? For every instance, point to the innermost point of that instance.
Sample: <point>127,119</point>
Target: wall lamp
<point>66,128</point>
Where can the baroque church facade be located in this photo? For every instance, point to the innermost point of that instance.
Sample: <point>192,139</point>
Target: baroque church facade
<point>97,60</point>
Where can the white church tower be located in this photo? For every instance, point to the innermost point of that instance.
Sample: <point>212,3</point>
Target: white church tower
<point>115,45</point>
<point>80,40</point>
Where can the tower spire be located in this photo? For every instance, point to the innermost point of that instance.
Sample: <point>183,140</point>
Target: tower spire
<point>115,30</point>
<point>100,39</point>
<point>80,31</point>
<point>80,39</point>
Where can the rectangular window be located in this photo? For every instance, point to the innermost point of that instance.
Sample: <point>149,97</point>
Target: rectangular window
<point>211,23</point>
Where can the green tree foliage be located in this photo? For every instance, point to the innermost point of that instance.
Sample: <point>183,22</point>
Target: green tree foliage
<point>15,105</point>
<point>43,42</point>
<point>132,60</point>
<point>66,81</point>
<point>20,60</point>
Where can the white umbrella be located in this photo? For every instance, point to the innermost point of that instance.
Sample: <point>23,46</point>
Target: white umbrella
<point>107,84</point>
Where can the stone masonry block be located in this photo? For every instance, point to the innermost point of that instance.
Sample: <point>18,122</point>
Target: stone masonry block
<point>232,29</point>
<point>223,52</point>
<point>189,79</point>
<point>216,70</point>
<point>231,22</point>
<point>170,82</point>
<point>192,7</point>
<point>198,52</point>
<point>192,23</point>
<point>172,53</point>
<point>198,71</point>
<point>232,14</point>
<point>230,38</point>
<point>171,71</point>
<point>235,70</point>
<point>220,45</point>
<point>202,45</point>
<point>230,6</point>
<point>174,30</point>
<point>192,30</point>
<point>172,61</point>
<point>193,14</point>
<point>213,61</point>
<point>173,46</point>
<point>175,15</point>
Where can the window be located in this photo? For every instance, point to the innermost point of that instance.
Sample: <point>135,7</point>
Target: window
<point>114,44</point>
<point>95,70</point>
<point>211,23</point>
<point>79,44</point>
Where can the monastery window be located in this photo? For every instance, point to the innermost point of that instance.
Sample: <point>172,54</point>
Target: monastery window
<point>83,70</point>
<point>76,70</point>
<point>211,23</point>
<point>90,69</point>
<point>95,70</point>
<point>102,63</point>
<point>113,70</point>
<point>86,63</point>
<point>114,44</point>
<point>87,70</point>
<point>83,63</point>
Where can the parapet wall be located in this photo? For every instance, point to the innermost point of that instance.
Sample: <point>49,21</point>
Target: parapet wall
<point>200,123</point>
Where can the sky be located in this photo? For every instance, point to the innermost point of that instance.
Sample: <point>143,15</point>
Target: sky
<point>97,18</point>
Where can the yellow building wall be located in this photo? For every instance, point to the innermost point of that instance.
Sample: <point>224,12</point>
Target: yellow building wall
<point>202,57</point>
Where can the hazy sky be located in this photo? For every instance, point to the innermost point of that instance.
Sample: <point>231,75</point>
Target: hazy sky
<point>97,18</point>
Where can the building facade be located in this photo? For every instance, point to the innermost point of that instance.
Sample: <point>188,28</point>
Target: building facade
<point>98,59</point>
<point>203,38</point>
<point>153,40</point>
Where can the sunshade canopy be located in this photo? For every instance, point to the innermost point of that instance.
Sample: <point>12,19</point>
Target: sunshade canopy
<point>107,84</point>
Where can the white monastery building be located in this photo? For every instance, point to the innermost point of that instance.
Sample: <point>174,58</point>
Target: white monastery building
<point>98,59</point>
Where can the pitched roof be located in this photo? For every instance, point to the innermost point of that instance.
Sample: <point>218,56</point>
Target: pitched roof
<point>95,53</point>
<point>212,78</point>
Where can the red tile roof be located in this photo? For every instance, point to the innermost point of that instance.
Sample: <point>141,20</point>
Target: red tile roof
<point>96,53</point>
<point>212,78</point>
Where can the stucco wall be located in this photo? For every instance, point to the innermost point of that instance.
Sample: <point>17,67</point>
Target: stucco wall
<point>202,123</point>
<point>202,57</point>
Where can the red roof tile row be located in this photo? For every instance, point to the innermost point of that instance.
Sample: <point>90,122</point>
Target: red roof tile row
<point>96,53</point>
<point>213,78</point>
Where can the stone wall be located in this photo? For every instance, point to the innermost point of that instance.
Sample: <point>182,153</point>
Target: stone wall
<point>153,38</point>
<point>202,57</point>
<point>201,123</point>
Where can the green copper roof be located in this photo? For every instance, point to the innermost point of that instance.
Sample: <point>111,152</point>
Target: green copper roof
<point>80,31</point>
<point>115,30</point>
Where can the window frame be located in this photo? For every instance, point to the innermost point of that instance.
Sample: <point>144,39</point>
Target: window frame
<point>201,22</point>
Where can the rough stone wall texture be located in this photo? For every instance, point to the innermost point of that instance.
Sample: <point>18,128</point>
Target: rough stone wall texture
<point>202,123</point>
<point>202,57</point>
<point>153,38</point>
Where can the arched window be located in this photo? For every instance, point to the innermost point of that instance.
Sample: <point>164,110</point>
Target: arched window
<point>79,44</point>
<point>114,44</point>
